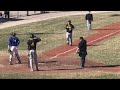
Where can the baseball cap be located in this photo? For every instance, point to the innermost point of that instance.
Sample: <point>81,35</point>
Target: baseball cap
<point>13,34</point>
<point>69,20</point>
<point>32,36</point>
<point>81,37</point>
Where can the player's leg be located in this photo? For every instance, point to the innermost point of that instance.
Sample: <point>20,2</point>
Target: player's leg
<point>28,59</point>
<point>70,38</point>
<point>82,62</point>
<point>67,37</point>
<point>88,25</point>
<point>11,58</point>
<point>31,60</point>
<point>11,55</point>
<point>35,60</point>
<point>17,55</point>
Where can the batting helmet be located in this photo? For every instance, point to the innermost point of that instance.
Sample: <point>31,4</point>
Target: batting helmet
<point>32,35</point>
<point>13,34</point>
<point>69,20</point>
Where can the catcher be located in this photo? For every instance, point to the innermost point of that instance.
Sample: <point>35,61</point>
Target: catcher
<point>13,43</point>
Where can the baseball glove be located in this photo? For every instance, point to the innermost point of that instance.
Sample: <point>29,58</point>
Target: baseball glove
<point>9,51</point>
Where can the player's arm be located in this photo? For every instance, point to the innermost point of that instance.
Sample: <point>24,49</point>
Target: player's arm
<point>38,39</point>
<point>18,41</point>
<point>66,28</point>
<point>77,50</point>
<point>92,17</point>
<point>9,45</point>
<point>73,27</point>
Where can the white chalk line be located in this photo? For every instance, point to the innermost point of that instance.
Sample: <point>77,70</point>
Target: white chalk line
<point>87,43</point>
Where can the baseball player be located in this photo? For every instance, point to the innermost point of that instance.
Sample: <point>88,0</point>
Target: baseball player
<point>32,42</point>
<point>69,28</point>
<point>89,19</point>
<point>13,43</point>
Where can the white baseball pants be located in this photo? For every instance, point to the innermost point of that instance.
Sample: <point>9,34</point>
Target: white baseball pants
<point>33,59</point>
<point>14,49</point>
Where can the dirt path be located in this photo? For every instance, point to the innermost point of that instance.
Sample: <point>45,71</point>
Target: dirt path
<point>55,60</point>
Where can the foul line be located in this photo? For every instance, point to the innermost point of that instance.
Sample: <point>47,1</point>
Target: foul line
<point>87,43</point>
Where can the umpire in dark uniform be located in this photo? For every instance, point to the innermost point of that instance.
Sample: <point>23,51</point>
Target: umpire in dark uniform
<point>89,19</point>
<point>82,51</point>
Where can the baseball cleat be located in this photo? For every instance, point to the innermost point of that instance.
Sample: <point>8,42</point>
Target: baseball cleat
<point>10,64</point>
<point>31,70</point>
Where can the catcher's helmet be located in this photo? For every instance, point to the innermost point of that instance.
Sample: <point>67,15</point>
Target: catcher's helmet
<point>13,34</point>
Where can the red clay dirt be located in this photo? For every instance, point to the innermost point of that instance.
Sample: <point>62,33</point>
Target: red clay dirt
<point>56,60</point>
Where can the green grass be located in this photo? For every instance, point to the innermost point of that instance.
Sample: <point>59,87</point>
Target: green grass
<point>107,51</point>
<point>69,75</point>
<point>23,76</point>
<point>108,76</point>
<point>54,32</point>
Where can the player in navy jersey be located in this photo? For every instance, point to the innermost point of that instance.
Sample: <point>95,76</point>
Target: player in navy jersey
<point>13,43</point>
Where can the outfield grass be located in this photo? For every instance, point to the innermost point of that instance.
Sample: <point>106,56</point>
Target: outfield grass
<point>106,51</point>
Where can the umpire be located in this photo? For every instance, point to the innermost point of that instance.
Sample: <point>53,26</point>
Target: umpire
<point>82,51</point>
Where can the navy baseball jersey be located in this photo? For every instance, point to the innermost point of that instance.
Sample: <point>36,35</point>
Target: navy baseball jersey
<point>13,41</point>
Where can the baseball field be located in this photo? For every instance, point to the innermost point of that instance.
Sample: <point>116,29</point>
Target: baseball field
<point>58,60</point>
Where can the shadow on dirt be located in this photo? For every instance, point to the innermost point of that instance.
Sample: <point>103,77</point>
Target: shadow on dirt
<point>108,66</point>
<point>61,69</point>
<point>94,45</point>
<point>3,20</point>
<point>48,62</point>
<point>115,15</point>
